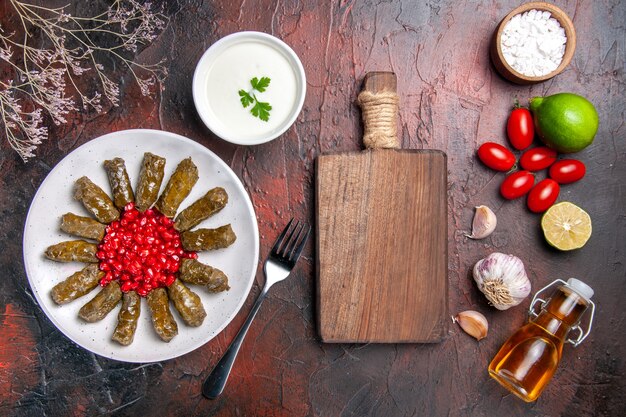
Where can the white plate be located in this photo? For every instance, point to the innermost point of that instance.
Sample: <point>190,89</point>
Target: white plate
<point>54,198</point>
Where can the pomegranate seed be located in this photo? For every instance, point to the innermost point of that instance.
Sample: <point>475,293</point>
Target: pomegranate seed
<point>141,250</point>
<point>170,279</point>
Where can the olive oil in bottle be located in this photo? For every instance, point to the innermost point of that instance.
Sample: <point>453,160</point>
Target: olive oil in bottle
<point>528,359</point>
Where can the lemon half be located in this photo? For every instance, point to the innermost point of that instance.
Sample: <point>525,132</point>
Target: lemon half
<point>566,226</point>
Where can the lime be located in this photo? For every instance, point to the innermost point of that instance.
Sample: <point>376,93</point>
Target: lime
<point>565,122</point>
<point>566,226</point>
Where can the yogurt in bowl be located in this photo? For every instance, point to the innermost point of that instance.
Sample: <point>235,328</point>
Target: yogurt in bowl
<point>249,87</point>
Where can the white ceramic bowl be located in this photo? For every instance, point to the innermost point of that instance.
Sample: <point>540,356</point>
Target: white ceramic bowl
<point>228,66</point>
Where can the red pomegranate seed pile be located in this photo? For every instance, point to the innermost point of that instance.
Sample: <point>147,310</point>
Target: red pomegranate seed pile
<point>141,250</point>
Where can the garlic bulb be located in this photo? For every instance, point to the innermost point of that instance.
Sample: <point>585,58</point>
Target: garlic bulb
<point>502,279</point>
<point>484,223</point>
<point>473,323</point>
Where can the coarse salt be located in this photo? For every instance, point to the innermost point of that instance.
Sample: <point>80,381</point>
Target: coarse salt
<point>533,43</point>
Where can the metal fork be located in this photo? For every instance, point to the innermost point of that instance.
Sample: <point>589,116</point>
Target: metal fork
<point>282,259</point>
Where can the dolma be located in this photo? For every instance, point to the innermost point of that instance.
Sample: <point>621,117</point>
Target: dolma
<point>187,303</point>
<point>212,202</point>
<point>95,200</point>
<point>150,179</point>
<point>77,284</point>
<point>73,251</point>
<point>195,272</point>
<point>102,303</point>
<point>178,187</point>
<point>208,239</point>
<point>82,226</point>
<point>162,319</point>
<point>119,181</point>
<point>127,318</point>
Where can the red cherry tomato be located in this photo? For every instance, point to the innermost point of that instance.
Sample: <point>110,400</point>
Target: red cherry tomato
<point>567,171</point>
<point>520,128</point>
<point>536,159</point>
<point>517,184</point>
<point>543,195</point>
<point>496,156</point>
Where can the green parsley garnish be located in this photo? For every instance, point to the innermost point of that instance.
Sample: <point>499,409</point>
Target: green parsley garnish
<point>260,109</point>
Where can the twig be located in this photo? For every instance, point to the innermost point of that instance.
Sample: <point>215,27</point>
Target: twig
<point>71,48</point>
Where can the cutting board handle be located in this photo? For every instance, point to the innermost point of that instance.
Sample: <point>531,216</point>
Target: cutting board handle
<point>379,107</point>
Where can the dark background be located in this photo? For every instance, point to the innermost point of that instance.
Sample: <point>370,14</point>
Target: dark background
<point>451,99</point>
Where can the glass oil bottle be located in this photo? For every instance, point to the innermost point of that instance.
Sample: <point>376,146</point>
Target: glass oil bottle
<point>528,359</point>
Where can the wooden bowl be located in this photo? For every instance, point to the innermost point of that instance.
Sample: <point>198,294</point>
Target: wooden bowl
<point>496,45</point>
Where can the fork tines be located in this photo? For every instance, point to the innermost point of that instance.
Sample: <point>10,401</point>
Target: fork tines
<point>291,241</point>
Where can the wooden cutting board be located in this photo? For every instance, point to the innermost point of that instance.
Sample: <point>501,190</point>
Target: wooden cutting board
<point>382,239</point>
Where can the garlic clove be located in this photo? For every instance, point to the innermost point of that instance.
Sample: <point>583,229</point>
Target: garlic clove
<point>473,323</point>
<point>484,223</point>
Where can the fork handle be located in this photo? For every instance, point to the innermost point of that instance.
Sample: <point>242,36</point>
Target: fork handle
<point>216,381</point>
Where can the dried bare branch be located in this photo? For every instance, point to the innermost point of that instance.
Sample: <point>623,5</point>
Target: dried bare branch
<point>42,75</point>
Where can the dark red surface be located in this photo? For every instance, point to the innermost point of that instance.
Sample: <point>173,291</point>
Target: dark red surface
<point>451,99</point>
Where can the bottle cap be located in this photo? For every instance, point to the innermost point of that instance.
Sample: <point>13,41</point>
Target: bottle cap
<point>580,287</point>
